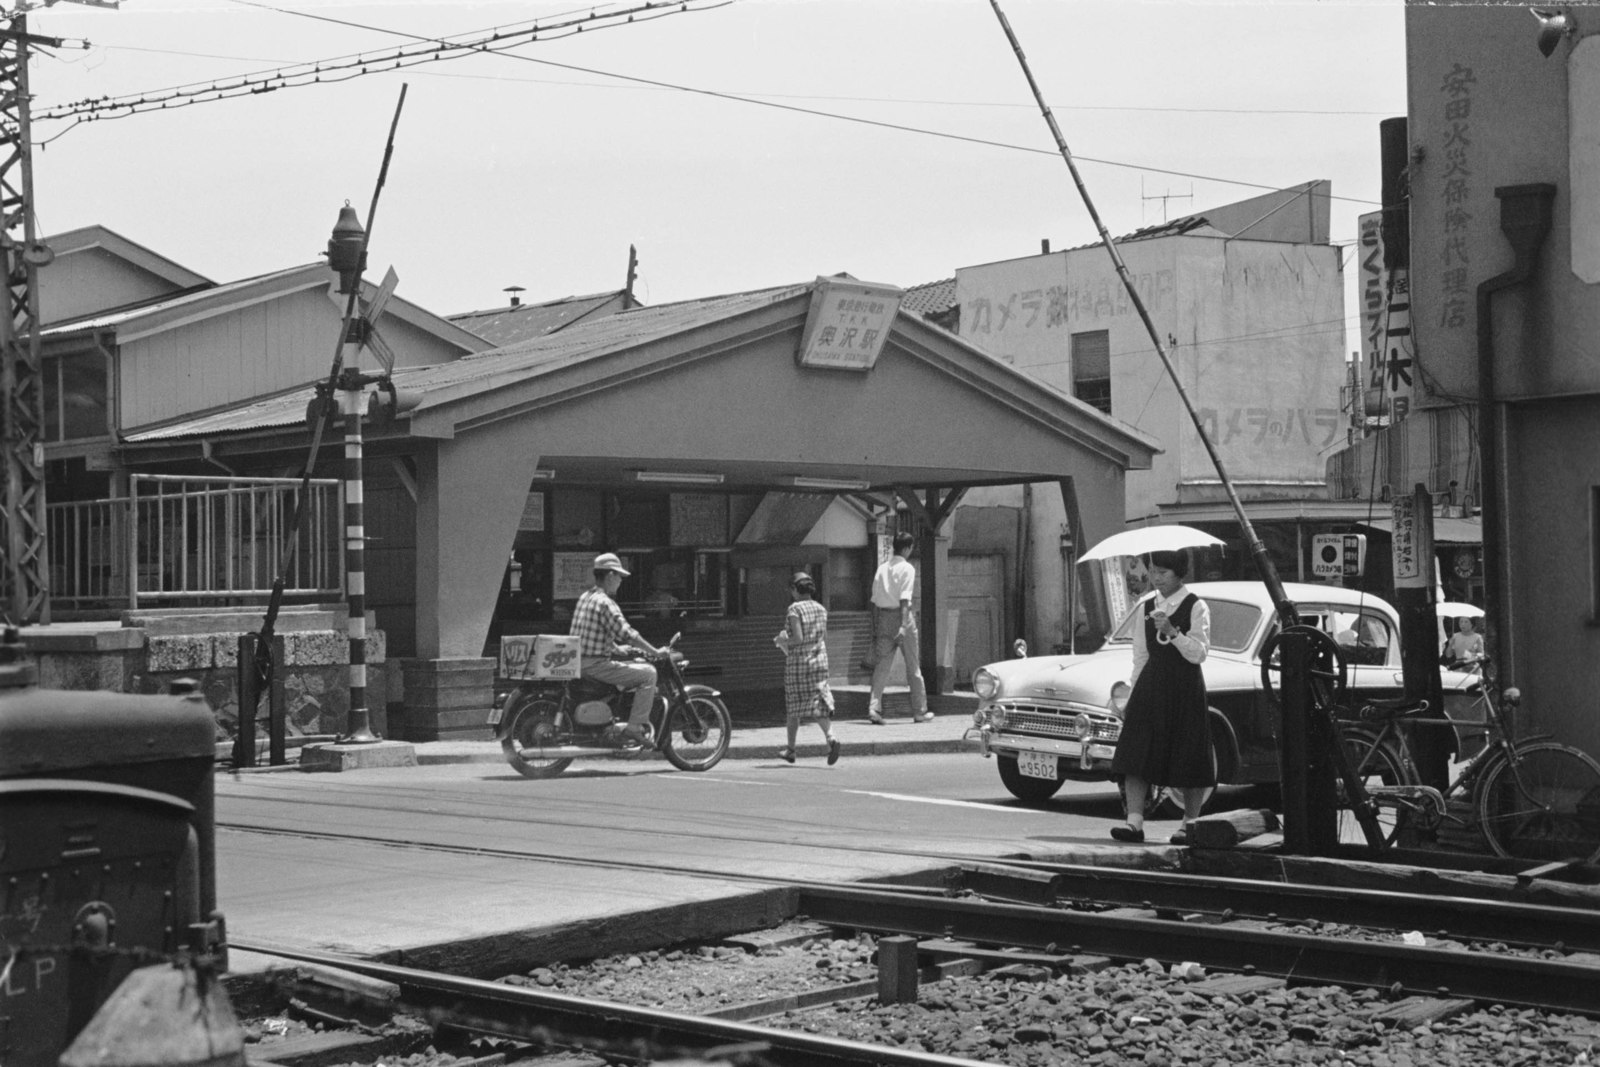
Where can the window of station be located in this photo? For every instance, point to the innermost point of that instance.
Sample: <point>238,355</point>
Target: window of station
<point>75,404</point>
<point>673,544</point>
<point>679,549</point>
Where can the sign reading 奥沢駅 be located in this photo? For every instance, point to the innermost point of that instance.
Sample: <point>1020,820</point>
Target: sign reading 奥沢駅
<point>847,324</point>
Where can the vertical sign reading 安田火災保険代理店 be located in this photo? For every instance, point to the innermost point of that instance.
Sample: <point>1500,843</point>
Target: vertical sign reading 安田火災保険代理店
<point>847,324</point>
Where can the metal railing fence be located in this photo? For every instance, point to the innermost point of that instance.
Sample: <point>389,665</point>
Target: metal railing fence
<point>178,540</point>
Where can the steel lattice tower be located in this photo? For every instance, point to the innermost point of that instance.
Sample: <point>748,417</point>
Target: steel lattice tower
<point>24,594</point>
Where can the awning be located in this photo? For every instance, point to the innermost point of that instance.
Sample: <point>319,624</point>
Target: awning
<point>1445,531</point>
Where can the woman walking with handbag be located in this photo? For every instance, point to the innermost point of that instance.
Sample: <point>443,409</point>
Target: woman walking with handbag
<point>805,674</point>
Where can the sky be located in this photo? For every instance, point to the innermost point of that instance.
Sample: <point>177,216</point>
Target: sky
<point>736,145</point>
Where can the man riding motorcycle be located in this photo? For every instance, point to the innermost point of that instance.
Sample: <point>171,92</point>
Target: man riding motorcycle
<point>599,624</point>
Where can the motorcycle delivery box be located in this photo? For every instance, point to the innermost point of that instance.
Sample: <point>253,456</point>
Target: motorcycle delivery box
<point>544,656</point>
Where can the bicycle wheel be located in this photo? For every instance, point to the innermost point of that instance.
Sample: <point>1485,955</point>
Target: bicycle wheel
<point>1544,807</point>
<point>1375,763</point>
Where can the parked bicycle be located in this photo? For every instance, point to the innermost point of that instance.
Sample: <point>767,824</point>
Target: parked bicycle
<point>1533,798</point>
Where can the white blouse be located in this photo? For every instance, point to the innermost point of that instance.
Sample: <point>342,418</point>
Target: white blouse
<point>1193,645</point>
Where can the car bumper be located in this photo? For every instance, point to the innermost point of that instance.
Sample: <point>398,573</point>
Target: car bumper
<point>1089,760</point>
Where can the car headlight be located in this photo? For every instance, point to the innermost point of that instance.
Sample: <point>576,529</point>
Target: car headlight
<point>985,684</point>
<point>1119,698</point>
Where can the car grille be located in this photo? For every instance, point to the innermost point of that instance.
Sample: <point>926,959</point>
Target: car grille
<point>1057,722</point>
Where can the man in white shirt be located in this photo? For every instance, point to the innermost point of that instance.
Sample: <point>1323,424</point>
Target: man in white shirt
<point>895,626</point>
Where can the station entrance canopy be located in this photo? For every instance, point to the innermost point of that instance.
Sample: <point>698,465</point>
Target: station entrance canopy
<point>730,391</point>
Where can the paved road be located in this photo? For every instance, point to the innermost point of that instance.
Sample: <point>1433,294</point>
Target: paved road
<point>360,893</point>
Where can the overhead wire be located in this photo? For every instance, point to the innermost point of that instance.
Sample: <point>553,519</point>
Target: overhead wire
<point>296,76</point>
<point>350,66</point>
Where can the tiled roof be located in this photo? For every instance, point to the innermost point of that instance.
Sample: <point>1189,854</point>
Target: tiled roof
<point>930,298</point>
<point>519,361</point>
<point>521,322</point>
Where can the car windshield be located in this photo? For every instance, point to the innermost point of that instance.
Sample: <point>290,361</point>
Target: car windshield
<point>1232,623</point>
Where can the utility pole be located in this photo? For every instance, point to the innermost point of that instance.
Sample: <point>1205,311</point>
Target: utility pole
<point>24,575</point>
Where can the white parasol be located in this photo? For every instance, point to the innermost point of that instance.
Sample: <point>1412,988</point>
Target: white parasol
<point>1148,539</point>
<point>1455,609</point>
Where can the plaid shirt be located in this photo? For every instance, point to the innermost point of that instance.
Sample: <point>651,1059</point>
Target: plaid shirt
<point>598,623</point>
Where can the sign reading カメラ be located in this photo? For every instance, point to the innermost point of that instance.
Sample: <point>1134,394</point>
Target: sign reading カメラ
<point>847,324</point>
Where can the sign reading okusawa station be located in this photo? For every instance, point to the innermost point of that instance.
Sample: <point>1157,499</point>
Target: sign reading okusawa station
<point>847,324</point>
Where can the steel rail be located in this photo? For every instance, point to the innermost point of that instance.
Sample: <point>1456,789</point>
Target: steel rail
<point>520,1012</point>
<point>1460,917</point>
<point>1557,985</point>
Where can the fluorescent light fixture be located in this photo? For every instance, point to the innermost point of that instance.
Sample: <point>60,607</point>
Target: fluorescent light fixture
<point>838,485</point>
<point>684,477</point>
<point>541,475</point>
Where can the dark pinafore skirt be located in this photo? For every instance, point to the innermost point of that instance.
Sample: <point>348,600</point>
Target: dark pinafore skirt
<point>1164,736</point>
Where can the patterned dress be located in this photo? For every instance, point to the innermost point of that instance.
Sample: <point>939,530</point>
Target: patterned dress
<point>805,673</point>
<point>1164,734</point>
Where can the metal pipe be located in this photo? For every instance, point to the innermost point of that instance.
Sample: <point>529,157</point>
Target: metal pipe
<point>1269,574</point>
<point>1525,220</point>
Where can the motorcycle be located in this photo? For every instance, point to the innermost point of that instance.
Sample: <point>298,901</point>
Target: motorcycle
<point>544,725</point>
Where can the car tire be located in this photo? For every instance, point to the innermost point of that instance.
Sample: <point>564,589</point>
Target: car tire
<point>1032,790</point>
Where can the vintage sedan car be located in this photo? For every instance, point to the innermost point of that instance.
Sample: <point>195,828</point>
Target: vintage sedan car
<point>1047,719</point>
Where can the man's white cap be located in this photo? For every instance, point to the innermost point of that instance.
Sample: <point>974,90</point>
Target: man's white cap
<point>609,562</point>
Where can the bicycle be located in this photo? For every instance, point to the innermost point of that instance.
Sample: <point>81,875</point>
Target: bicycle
<point>1534,798</point>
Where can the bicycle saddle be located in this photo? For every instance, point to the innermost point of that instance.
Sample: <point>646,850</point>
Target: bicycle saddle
<point>1398,707</point>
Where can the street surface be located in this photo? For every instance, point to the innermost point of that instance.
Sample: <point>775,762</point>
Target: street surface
<point>382,866</point>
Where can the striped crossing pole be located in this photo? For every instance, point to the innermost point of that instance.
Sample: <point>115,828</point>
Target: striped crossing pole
<point>355,553</point>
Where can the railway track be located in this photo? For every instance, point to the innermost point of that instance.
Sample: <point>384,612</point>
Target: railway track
<point>1415,955</point>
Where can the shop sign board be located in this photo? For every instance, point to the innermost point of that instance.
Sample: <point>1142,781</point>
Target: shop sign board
<point>574,574</point>
<point>847,324</point>
<point>1338,555</point>
<point>1413,543</point>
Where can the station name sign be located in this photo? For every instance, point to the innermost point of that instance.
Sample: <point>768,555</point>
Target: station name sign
<point>847,324</point>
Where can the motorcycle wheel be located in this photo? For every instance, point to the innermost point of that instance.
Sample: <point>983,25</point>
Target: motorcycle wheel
<point>697,734</point>
<point>535,723</point>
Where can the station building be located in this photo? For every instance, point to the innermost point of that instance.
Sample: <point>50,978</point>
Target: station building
<point>718,445</point>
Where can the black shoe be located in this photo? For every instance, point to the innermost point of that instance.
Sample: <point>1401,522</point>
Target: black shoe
<point>1180,837</point>
<point>1128,834</point>
<point>833,751</point>
<point>786,754</point>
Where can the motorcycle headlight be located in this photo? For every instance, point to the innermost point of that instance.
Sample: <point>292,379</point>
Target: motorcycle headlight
<point>1119,698</point>
<point>985,684</point>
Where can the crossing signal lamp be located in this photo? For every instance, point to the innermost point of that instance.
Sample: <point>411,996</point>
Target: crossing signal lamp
<point>347,252</point>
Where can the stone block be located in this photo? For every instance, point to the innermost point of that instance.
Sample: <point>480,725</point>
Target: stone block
<point>316,647</point>
<point>465,724</point>
<point>347,757</point>
<point>179,621</point>
<point>442,699</point>
<point>173,653</point>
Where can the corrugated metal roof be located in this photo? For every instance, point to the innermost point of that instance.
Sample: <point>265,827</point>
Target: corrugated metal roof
<point>1174,228</point>
<point>526,359</point>
<point>214,293</point>
<point>510,325</point>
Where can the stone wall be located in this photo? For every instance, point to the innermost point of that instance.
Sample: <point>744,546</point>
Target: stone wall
<point>144,652</point>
